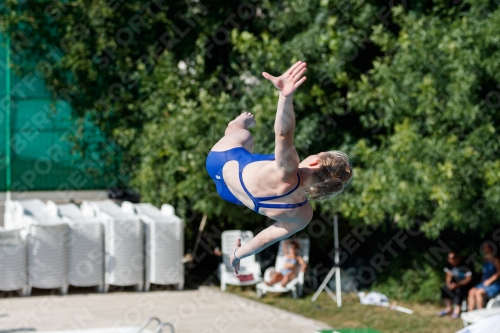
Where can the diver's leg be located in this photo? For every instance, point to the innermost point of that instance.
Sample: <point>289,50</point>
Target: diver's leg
<point>267,237</point>
<point>237,134</point>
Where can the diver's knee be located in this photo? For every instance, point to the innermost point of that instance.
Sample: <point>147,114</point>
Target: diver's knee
<point>231,128</point>
<point>248,143</point>
<point>298,226</point>
<point>243,137</point>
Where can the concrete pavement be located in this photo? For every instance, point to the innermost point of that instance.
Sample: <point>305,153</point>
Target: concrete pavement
<point>206,310</point>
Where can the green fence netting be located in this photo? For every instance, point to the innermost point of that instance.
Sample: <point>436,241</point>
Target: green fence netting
<point>42,157</point>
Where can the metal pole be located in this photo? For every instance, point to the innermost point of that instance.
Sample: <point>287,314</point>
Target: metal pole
<point>334,271</point>
<point>7,117</point>
<point>336,239</point>
<point>324,286</point>
<point>337,260</point>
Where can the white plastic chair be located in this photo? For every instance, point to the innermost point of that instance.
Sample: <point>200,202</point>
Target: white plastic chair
<point>492,308</point>
<point>248,265</point>
<point>494,302</point>
<point>295,286</point>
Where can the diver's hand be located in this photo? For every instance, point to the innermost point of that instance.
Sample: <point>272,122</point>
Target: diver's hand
<point>236,262</point>
<point>290,80</point>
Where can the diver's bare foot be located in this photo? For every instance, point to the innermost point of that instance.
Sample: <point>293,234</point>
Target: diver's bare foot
<point>236,262</point>
<point>246,120</point>
<point>243,121</point>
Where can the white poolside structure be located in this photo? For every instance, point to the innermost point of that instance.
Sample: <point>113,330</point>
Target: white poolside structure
<point>164,244</point>
<point>47,240</point>
<point>85,246</point>
<point>52,246</point>
<point>123,244</point>
<point>13,261</point>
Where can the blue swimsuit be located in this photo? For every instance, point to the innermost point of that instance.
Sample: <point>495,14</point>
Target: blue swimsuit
<point>216,161</point>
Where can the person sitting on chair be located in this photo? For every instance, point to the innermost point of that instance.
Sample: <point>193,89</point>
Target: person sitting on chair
<point>490,284</point>
<point>458,282</point>
<point>292,262</point>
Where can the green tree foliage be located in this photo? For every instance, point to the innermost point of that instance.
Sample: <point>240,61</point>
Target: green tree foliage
<point>410,92</point>
<point>412,285</point>
<point>432,101</point>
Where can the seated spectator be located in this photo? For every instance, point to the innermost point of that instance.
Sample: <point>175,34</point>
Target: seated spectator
<point>292,263</point>
<point>490,284</point>
<point>458,283</point>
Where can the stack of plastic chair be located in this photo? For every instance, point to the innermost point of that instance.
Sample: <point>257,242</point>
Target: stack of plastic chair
<point>85,246</point>
<point>164,244</point>
<point>123,244</point>
<point>250,272</point>
<point>167,210</point>
<point>8,218</point>
<point>47,256</point>
<point>23,213</point>
<point>47,239</point>
<point>13,261</point>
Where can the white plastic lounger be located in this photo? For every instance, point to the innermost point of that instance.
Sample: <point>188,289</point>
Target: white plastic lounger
<point>295,285</point>
<point>250,272</point>
<point>164,244</point>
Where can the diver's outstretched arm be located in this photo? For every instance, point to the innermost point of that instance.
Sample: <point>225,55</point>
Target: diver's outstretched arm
<point>290,80</point>
<point>263,239</point>
<point>286,156</point>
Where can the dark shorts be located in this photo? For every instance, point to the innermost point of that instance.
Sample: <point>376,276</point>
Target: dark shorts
<point>457,295</point>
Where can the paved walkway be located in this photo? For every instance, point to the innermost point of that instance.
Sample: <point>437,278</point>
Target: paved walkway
<point>206,310</point>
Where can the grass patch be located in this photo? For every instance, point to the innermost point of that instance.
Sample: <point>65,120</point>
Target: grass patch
<point>354,315</point>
